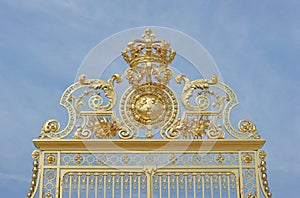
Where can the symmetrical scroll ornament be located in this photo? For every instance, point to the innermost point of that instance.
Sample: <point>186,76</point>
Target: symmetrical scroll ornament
<point>149,104</point>
<point>136,74</point>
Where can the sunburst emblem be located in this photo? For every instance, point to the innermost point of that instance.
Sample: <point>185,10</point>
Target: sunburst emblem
<point>150,105</point>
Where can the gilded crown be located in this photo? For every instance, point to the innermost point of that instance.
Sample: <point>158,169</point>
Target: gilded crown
<point>148,50</point>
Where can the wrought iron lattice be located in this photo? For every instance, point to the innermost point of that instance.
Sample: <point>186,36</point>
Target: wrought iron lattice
<point>147,147</point>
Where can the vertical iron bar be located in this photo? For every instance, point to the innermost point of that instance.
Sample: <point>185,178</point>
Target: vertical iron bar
<point>87,185</point>
<point>228,185</point>
<point>113,185</point>
<point>79,184</point>
<point>211,186</point>
<point>139,185</point>
<point>121,183</point>
<point>130,185</point>
<point>41,168</point>
<point>177,186</point>
<point>160,188</point>
<point>194,181</point>
<point>257,173</point>
<point>238,195</point>
<point>241,186</point>
<point>149,184</point>
<point>70,185</point>
<point>58,177</point>
<point>104,185</point>
<point>96,185</point>
<point>169,186</point>
<point>186,186</point>
<point>220,184</point>
<point>203,183</point>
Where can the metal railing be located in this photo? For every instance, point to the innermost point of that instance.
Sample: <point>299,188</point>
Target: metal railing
<point>154,183</point>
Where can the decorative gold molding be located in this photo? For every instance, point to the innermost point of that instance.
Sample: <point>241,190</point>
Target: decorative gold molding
<point>150,145</point>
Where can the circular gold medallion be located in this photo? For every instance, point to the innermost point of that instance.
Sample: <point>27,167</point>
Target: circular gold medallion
<point>149,104</point>
<point>149,107</point>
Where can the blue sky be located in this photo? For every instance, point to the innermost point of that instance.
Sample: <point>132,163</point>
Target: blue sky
<point>256,45</point>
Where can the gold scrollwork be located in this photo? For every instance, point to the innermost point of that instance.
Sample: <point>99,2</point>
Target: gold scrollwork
<point>149,104</point>
<point>203,102</point>
<point>215,132</point>
<point>136,74</point>
<point>51,128</point>
<point>220,107</point>
<point>95,102</point>
<point>99,126</point>
<point>190,87</point>
<point>194,125</point>
<point>107,87</point>
<point>247,128</point>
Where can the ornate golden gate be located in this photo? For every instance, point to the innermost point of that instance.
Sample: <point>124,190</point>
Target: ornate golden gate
<point>150,147</point>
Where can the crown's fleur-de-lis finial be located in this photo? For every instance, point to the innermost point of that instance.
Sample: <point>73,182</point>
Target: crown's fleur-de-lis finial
<point>148,35</point>
<point>148,58</point>
<point>144,50</point>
